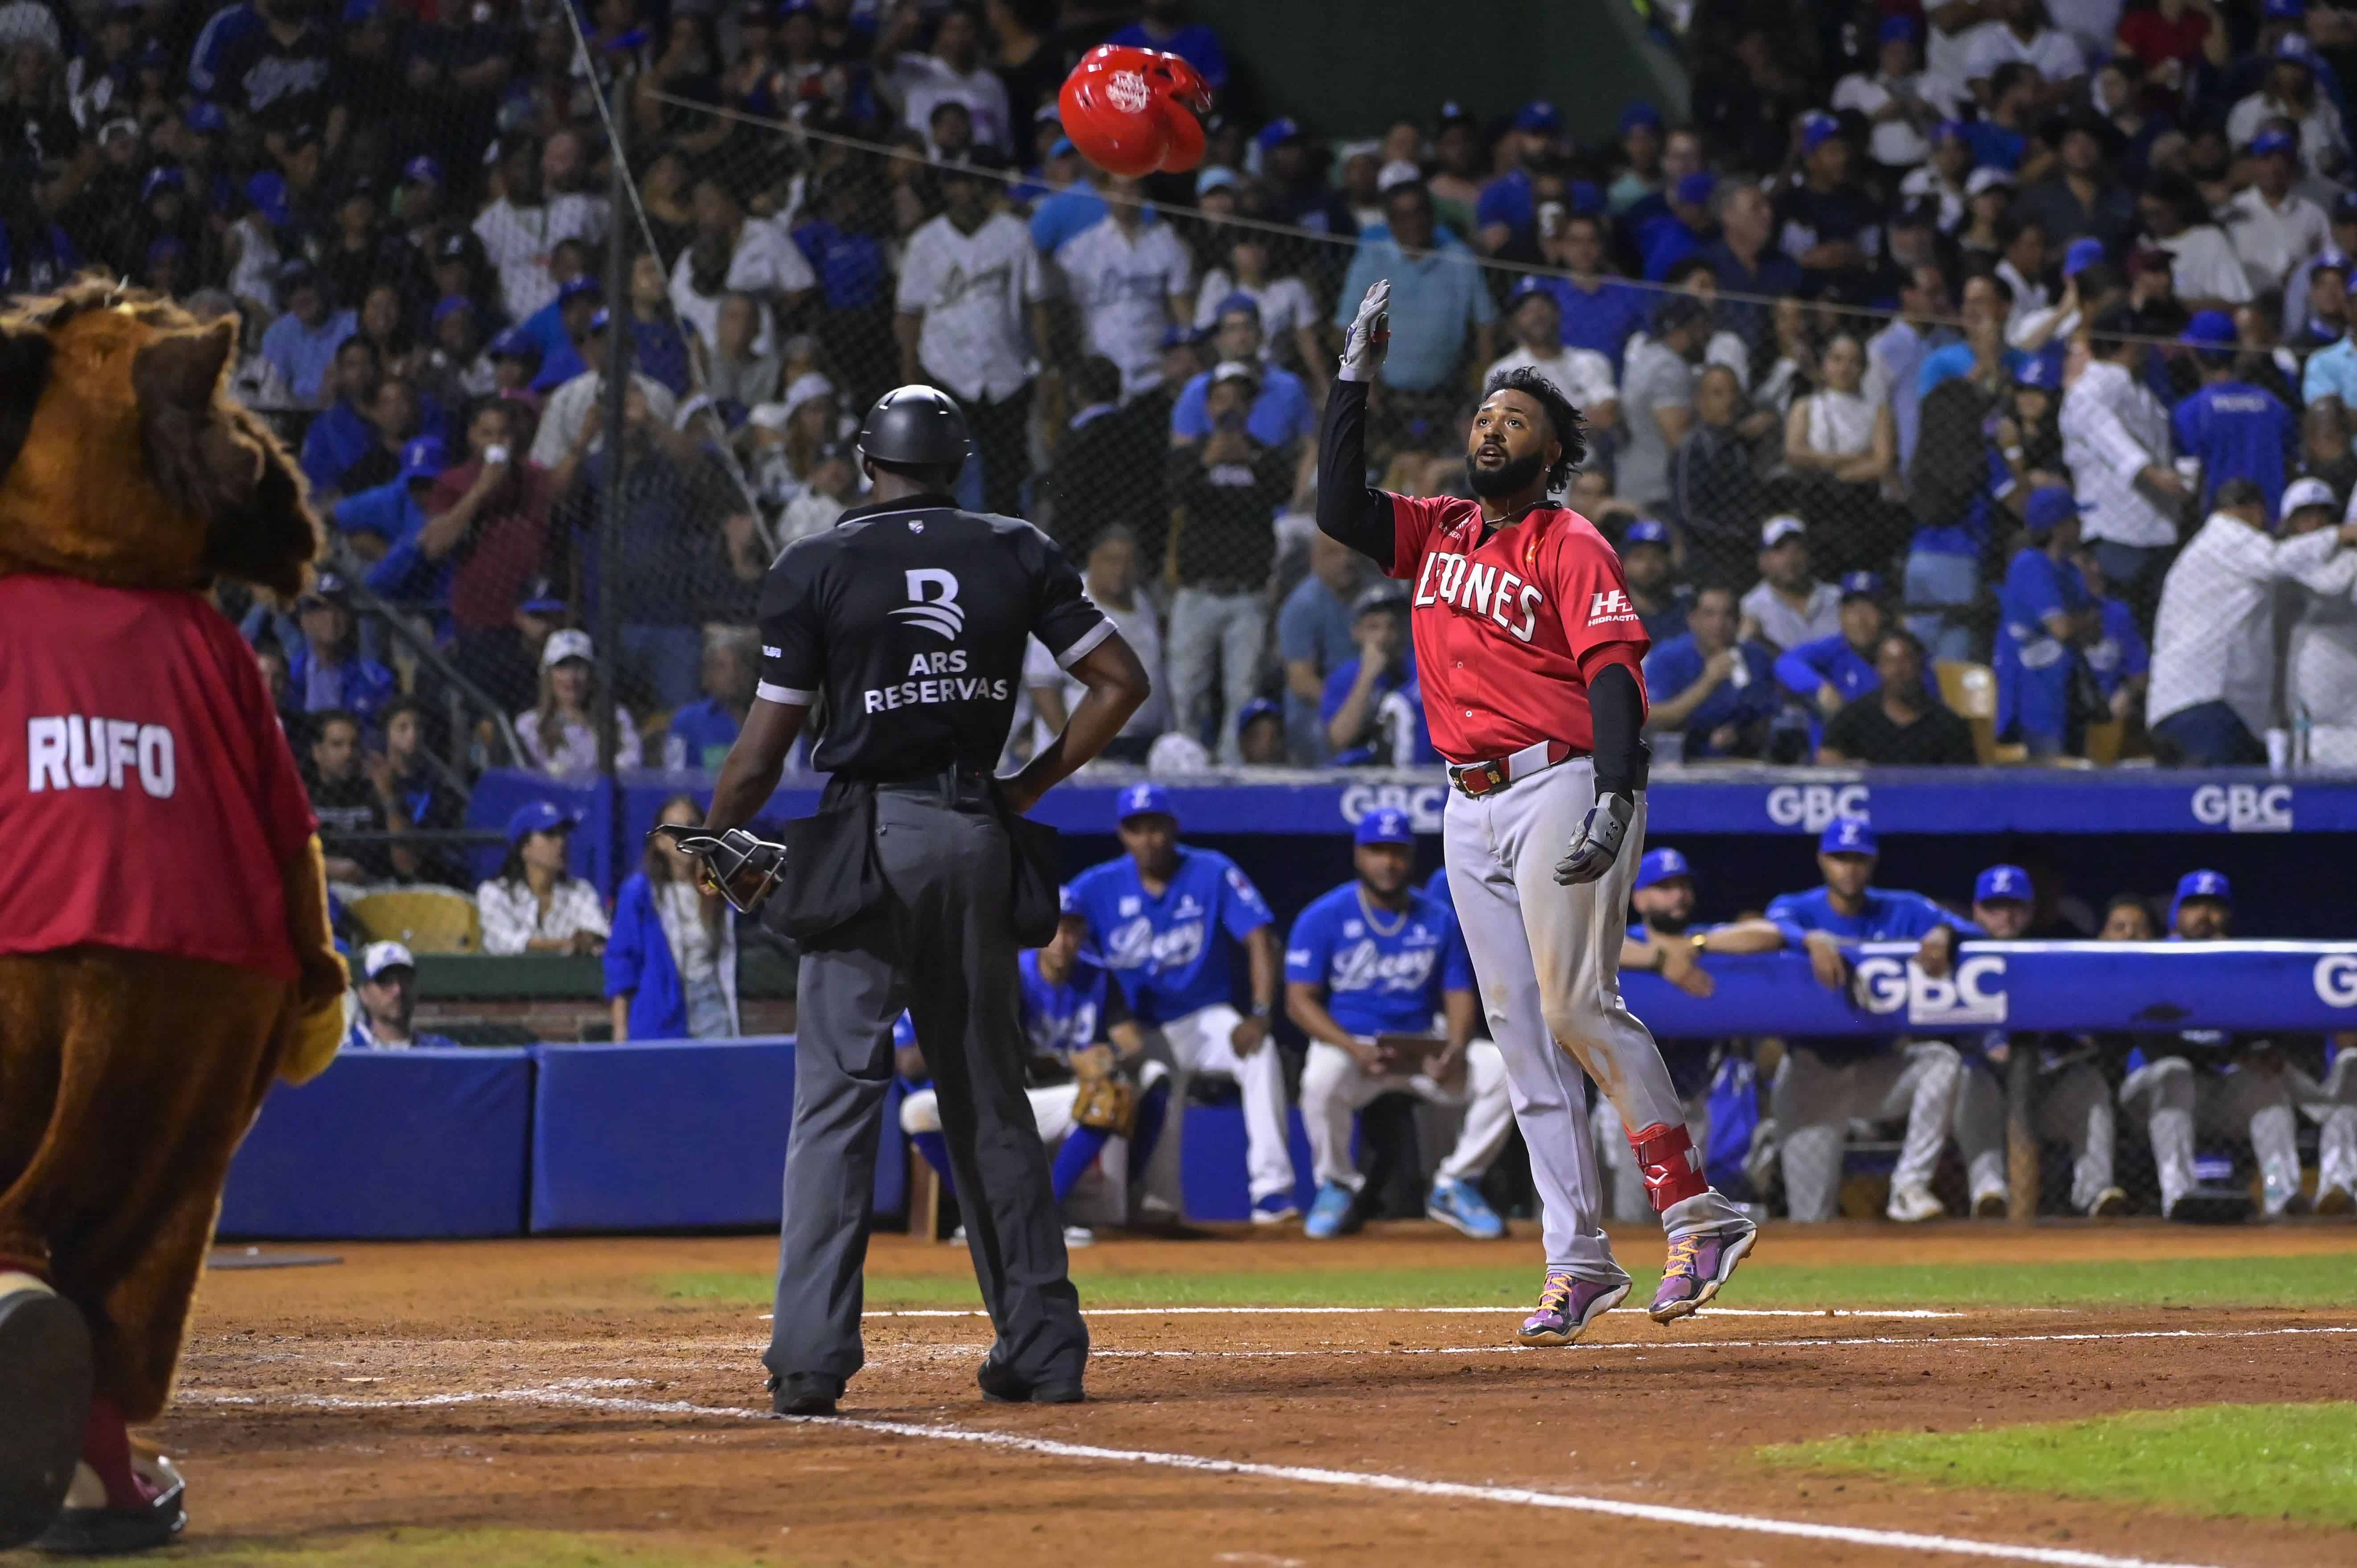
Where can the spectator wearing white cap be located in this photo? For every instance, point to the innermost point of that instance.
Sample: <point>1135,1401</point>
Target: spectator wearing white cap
<point>2320,657</point>
<point>1789,606</point>
<point>560,735</point>
<point>1582,375</point>
<point>386,987</point>
<point>2212,691</point>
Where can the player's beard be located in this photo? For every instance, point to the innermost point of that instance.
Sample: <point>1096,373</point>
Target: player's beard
<point>1511,478</point>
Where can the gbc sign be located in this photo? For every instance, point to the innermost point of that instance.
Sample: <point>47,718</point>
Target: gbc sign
<point>1815,807</point>
<point>1422,803</point>
<point>1966,998</point>
<point>2336,980</point>
<point>2243,808</point>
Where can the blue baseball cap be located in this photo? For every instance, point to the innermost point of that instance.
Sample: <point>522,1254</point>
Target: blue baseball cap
<point>1387,824</point>
<point>514,344</point>
<point>1696,189</point>
<point>1861,585</point>
<point>206,118</point>
<point>1144,799</point>
<point>422,170</point>
<point>1538,115</point>
<point>2209,330</point>
<point>1646,531</point>
<point>1639,114</point>
<point>1179,335</point>
<point>2047,507</point>
<point>2295,47</point>
<point>167,177</point>
<point>1239,300</point>
<point>540,817</point>
<point>600,319</point>
<point>1947,131</point>
<point>572,289</point>
<point>1849,835</point>
<point>2040,372</point>
<point>2001,882</point>
<point>1257,709</point>
<point>2283,10</point>
<point>423,458</point>
<point>2082,254</point>
<point>1527,285</point>
<point>1816,130</point>
<point>450,304</point>
<point>1584,195</point>
<point>2201,885</point>
<point>1278,131</point>
<point>267,192</point>
<point>1661,865</point>
<point>2274,140</point>
<point>1895,28</point>
<point>1068,903</point>
<point>540,597</point>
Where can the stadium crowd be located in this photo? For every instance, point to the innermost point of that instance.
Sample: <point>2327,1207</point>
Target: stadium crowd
<point>1965,350</point>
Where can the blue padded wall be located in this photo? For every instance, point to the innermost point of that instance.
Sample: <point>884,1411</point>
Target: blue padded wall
<point>387,1145</point>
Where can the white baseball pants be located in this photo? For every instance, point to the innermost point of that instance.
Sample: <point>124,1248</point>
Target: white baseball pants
<point>2333,1105</point>
<point>1200,1042</point>
<point>1548,960</point>
<point>1334,1087</point>
<point>1814,1100</point>
<point>2073,1107</point>
<point>2249,1101</point>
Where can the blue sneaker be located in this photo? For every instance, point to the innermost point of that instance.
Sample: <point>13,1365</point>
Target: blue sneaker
<point>1329,1212</point>
<point>1275,1208</point>
<point>1458,1205</point>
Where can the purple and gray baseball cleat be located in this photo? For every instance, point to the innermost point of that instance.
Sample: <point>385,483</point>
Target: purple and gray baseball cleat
<point>1698,1265</point>
<point>1567,1305</point>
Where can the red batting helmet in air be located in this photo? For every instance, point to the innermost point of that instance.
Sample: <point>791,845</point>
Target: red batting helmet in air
<point>1132,110</point>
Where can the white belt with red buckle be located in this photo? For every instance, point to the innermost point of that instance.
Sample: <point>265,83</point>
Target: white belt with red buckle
<point>1477,778</point>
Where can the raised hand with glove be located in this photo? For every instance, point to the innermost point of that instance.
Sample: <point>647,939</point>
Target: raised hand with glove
<point>1370,336</point>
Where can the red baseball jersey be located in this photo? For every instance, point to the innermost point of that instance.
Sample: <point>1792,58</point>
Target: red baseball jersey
<point>1509,628</point>
<point>148,797</point>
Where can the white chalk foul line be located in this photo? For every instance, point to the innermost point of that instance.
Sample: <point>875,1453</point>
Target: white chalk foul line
<point>1374,1311</point>
<point>574,1397</point>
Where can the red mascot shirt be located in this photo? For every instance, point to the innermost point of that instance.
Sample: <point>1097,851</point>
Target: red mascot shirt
<point>148,797</point>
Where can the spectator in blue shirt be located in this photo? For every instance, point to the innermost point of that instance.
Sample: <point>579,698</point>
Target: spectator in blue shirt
<point>1373,707</point>
<point>385,526</point>
<point>2000,137</point>
<point>558,328</point>
<point>1313,638</point>
<point>1833,671</point>
<point>1281,413</point>
<point>1680,230</point>
<point>1295,183</point>
<point>853,273</point>
<point>326,670</point>
<point>670,959</point>
<point>343,433</point>
<point>385,984</point>
<point>301,344</point>
<point>1823,1084</point>
<point>1599,311</point>
<point>1505,219</point>
<point>1745,261</point>
<point>702,732</point>
<point>2237,430</point>
<point>2045,616</point>
<point>1662,601</point>
<point>1986,304</point>
<point>1163,24</point>
<point>1073,210</point>
<point>2119,657</point>
<point>1716,691</point>
<point>1440,307</point>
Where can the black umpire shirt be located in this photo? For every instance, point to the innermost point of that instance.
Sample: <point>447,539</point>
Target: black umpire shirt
<point>913,617</point>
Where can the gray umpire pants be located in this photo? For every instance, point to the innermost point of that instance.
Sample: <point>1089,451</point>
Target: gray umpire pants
<point>942,948</point>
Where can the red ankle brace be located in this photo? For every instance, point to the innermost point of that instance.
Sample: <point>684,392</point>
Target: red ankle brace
<point>1672,1166</point>
<point>106,1449</point>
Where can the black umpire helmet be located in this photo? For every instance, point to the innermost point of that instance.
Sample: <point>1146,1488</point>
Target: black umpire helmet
<point>916,427</point>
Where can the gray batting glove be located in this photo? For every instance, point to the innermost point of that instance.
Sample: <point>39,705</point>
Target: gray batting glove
<point>1370,336</point>
<point>1597,843</point>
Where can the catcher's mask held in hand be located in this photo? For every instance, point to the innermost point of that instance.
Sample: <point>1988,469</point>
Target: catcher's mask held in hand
<point>738,867</point>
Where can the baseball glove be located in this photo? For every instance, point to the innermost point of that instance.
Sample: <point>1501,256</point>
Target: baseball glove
<point>1107,1103</point>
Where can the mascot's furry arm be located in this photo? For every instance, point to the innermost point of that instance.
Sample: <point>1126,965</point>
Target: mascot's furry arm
<point>319,989</point>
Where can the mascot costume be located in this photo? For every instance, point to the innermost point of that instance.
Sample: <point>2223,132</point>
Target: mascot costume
<point>164,942</point>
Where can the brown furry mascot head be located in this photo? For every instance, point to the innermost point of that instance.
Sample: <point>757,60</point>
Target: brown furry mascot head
<point>122,459</point>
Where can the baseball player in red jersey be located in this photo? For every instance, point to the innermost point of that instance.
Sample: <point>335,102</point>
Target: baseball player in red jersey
<point>1529,653</point>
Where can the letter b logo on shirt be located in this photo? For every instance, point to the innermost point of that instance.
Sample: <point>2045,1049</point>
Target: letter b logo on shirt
<point>933,601</point>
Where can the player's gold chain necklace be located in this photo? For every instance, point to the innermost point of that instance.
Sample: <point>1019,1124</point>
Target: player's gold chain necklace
<point>1373,919</point>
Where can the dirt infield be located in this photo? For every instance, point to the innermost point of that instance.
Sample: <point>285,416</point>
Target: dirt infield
<point>549,1385</point>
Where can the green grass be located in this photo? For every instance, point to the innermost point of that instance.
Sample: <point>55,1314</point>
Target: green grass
<point>422,1548</point>
<point>2243,1461</point>
<point>2311,1280</point>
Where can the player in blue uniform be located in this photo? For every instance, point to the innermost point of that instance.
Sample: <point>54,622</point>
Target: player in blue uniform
<point>2119,657</point>
<point>2074,1101</point>
<point>1070,1013</point>
<point>1823,1083</point>
<point>1833,671</point>
<point>1164,919</point>
<point>1374,958</point>
<point>2045,616</point>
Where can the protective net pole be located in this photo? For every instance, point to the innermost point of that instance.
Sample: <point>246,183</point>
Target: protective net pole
<point>609,521</point>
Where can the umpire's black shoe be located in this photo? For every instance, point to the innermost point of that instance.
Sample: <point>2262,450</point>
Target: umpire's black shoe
<point>804,1393</point>
<point>1000,1386</point>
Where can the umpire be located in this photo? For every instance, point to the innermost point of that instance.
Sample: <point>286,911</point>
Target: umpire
<point>915,881</point>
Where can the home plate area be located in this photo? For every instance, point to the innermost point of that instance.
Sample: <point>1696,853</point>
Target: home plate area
<point>596,1402</point>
